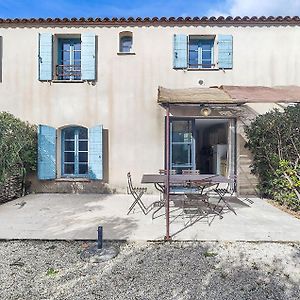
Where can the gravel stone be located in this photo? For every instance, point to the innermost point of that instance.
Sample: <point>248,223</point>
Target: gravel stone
<point>178,270</point>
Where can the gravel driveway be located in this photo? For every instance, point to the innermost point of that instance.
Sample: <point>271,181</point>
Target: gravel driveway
<point>180,270</point>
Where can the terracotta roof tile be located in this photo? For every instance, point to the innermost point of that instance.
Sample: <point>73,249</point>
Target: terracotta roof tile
<point>156,20</point>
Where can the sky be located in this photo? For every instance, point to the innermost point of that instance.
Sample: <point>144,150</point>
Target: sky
<point>143,8</point>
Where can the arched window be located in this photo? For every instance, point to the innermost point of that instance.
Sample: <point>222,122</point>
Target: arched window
<point>74,152</point>
<point>125,42</point>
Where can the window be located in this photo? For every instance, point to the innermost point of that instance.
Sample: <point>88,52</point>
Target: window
<point>74,152</point>
<point>1,58</point>
<point>201,53</point>
<point>198,52</point>
<point>182,146</point>
<point>69,59</point>
<point>125,42</point>
<point>80,149</point>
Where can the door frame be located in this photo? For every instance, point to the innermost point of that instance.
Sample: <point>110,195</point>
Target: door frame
<point>193,145</point>
<point>194,141</point>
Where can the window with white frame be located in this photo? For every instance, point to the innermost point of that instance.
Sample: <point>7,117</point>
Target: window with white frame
<point>201,52</point>
<point>69,59</point>
<point>75,151</point>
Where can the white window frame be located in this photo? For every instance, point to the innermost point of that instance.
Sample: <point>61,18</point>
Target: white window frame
<point>213,52</point>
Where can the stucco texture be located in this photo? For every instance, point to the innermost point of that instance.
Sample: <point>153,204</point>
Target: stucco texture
<point>124,96</point>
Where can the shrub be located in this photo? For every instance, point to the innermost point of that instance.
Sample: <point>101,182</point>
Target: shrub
<point>18,149</point>
<point>274,140</point>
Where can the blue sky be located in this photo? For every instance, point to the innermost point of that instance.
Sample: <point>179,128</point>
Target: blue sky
<point>126,8</point>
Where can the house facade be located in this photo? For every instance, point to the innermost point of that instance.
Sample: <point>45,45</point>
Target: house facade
<point>93,88</point>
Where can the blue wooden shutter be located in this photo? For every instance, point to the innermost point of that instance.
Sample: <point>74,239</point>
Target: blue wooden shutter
<point>95,152</point>
<point>45,56</point>
<point>225,51</point>
<point>46,152</point>
<point>180,51</point>
<point>88,56</point>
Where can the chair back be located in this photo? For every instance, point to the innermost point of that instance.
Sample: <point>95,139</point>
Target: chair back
<point>164,172</point>
<point>232,185</point>
<point>129,182</point>
<point>190,172</point>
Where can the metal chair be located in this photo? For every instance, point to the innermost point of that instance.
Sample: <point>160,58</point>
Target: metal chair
<point>226,191</point>
<point>193,186</point>
<point>161,202</point>
<point>164,172</point>
<point>137,194</point>
<point>190,172</point>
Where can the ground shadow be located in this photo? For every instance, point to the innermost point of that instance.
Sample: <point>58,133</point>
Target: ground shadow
<point>177,270</point>
<point>203,212</point>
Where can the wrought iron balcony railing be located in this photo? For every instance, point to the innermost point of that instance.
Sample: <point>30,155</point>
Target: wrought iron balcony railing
<point>68,72</point>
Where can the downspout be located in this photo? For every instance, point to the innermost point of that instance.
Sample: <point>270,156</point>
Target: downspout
<point>167,185</point>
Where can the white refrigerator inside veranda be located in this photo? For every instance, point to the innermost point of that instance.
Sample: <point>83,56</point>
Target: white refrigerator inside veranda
<point>219,156</point>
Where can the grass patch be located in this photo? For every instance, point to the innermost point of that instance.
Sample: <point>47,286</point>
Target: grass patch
<point>51,272</point>
<point>210,254</point>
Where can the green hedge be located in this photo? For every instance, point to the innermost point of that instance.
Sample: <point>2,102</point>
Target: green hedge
<point>18,146</point>
<point>274,140</point>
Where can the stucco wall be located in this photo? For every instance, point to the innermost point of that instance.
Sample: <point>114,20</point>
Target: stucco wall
<point>123,98</point>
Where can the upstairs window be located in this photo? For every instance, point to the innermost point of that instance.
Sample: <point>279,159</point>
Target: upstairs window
<point>69,59</point>
<point>198,51</point>
<point>125,42</point>
<point>201,52</point>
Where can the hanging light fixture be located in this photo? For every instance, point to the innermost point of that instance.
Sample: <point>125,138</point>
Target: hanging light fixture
<point>205,111</point>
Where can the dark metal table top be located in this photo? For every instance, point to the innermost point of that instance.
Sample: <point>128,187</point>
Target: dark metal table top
<point>158,178</point>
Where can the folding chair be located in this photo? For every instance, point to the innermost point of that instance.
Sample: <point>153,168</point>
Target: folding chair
<point>137,194</point>
<point>193,186</point>
<point>172,192</point>
<point>158,205</point>
<point>190,172</point>
<point>223,189</point>
<point>164,172</point>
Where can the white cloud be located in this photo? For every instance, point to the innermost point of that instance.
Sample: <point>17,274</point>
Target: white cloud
<point>257,8</point>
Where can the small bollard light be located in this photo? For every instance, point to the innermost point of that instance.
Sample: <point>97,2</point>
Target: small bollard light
<point>100,237</point>
<point>98,253</point>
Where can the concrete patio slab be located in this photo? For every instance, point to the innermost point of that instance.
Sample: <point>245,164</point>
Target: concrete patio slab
<point>70,216</point>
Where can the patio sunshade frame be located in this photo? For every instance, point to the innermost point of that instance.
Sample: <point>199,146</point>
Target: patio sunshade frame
<point>229,95</point>
<point>167,107</point>
<point>225,96</point>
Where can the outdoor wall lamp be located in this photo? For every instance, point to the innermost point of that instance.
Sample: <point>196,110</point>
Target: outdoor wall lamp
<point>205,111</point>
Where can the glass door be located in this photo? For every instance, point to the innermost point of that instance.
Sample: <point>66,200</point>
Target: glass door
<point>182,144</point>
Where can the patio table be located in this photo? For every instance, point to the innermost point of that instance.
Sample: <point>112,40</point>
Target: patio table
<point>178,178</point>
<point>200,180</point>
<point>159,180</point>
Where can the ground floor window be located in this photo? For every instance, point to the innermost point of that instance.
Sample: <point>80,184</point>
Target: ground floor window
<point>75,151</point>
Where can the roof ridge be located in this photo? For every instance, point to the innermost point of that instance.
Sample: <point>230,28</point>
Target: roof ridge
<point>158,20</point>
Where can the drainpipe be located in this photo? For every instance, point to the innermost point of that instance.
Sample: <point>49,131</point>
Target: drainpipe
<point>167,185</point>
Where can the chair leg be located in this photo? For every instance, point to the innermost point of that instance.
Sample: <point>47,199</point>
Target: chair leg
<point>157,210</point>
<point>139,202</point>
<point>218,213</point>
<point>226,204</point>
